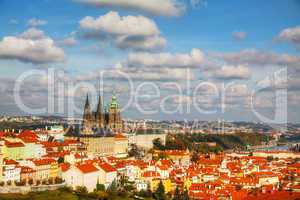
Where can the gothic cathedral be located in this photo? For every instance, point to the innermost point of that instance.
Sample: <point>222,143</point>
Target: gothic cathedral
<point>109,118</point>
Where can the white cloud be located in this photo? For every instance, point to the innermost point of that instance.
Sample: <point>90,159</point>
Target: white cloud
<point>232,72</point>
<point>141,74</point>
<point>239,35</point>
<point>36,22</point>
<point>31,46</point>
<point>159,74</point>
<point>70,41</point>
<point>156,7</point>
<point>141,43</point>
<point>33,33</point>
<point>291,35</point>
<point>259,58</point>
<point>166,60</point>
<point>137,32</point>
<point>113,23</point>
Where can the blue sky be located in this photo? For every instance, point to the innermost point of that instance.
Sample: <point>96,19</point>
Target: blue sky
<point>241,41</point>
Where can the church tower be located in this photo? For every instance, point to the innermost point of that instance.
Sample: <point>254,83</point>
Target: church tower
<point>114,115</point>
<point>99,114</point>
<point>87,123</point>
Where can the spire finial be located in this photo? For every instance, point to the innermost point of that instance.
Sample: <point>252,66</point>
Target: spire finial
<point>87,99</point>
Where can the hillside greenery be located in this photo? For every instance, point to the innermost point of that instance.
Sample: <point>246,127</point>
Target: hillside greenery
<point>223,142</point>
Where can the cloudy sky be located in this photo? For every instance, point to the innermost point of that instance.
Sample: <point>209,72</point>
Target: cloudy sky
<point>163,59</point>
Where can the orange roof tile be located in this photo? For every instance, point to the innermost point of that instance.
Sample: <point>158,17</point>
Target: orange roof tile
<point>87,168</point>
<point>107,167</point>
<point>149,174</point>
<point>25,170</point>
<point>64,166</point>
<point>46,161</point>
<point>10,162</point>
<point>119,136</point>
<point>13,144</point>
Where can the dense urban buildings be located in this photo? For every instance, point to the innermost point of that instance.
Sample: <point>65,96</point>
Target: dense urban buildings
<point>147,159</point>
<point>28,162</point>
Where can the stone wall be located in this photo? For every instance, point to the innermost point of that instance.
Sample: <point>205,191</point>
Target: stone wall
<point>26,189</point>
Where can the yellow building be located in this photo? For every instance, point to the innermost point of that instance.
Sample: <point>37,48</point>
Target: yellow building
<point>54,170</point>
<point>14,149</point>
<point>46,169</point>
<point>166,182</point>
<point>103,146</point>
<point>187,183</point>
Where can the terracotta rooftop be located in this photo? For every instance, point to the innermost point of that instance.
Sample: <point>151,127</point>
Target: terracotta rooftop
<point>107,167</point>
<point>87,168</point>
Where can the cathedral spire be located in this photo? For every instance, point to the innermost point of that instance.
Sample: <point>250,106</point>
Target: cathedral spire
<point>99,107</point>
<point>87,103</point>
<point>99,114</point>
<point>87,114</point>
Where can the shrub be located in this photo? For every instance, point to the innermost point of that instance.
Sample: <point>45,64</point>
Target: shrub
<point>8,182</point>
<point>100,187</point>
<point>30,182</point>
<point>58,180</point>
<point>81,190</point>
<point>20,183</point>
<point>44,182</point>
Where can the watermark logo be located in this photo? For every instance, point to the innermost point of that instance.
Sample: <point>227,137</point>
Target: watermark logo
<point>188,97</point>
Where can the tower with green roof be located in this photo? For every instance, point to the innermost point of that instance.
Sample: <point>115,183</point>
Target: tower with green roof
<point>114,115</point>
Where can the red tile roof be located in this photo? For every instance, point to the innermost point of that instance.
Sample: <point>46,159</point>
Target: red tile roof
<point>10,162</point>
<point>69,141</point>
<point>3,134</point>
<point>13,144</point>
<point>64,166</point>
<point>107,167</point>
<point>46,161</point>
<point>53,144</point>
<point>87,168</point>
<point>27,134</point>
<point>149,174</point>
<point>57,154</point>
<point>25,170</point>
<point>29,140</point>
<point>276,195</point>
<point>163,167</point>
<point>119,136</point>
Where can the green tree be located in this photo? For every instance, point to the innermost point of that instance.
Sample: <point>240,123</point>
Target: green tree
<point>160,192</point>
<point>157,144</point>
<point>60,160</point>
<point>112,190</point>
<point>185,195</point>
<point>177,194</point>
<point>100,187</point>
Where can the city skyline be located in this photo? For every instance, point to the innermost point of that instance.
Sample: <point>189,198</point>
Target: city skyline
<point>188,50</point>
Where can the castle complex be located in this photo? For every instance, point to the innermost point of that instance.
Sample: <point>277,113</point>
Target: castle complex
<point>109,118</point>
<point>101,131</point>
